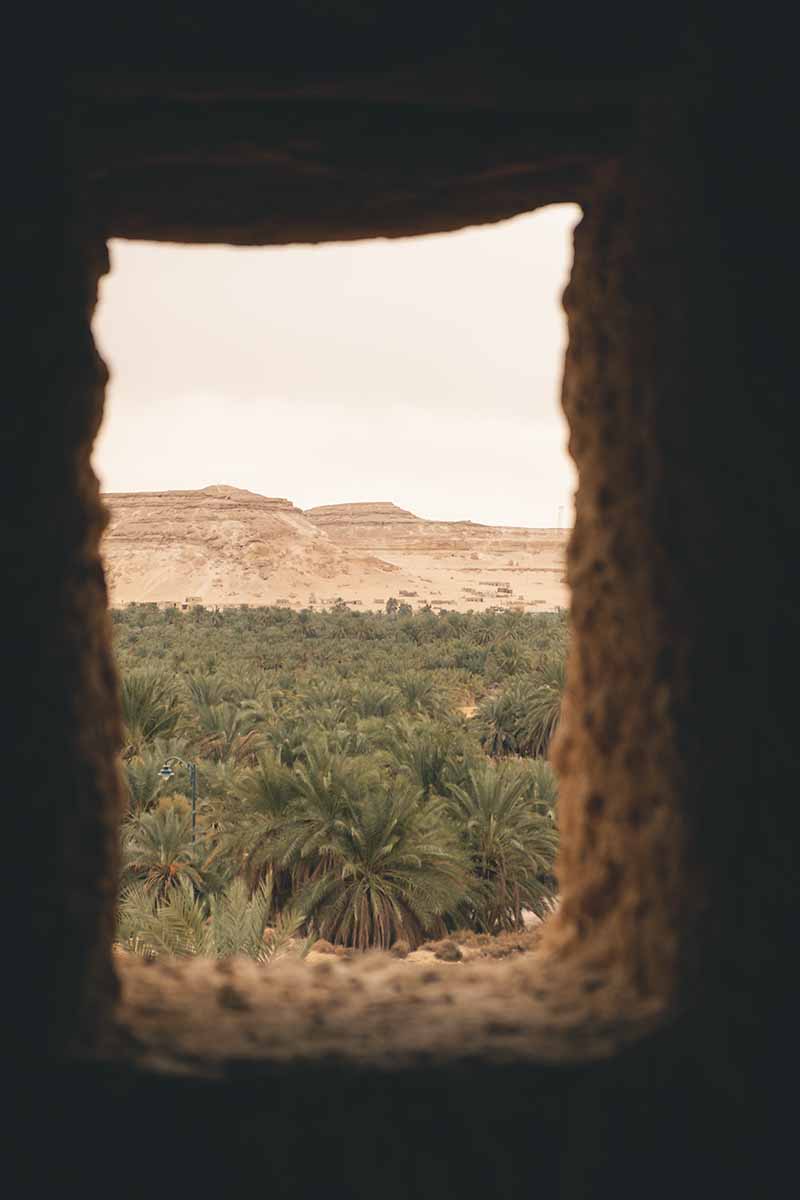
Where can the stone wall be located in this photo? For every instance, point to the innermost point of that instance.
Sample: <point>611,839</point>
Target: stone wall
<point>676,778</point>
<point>678,748</point>
<point>60,709</point>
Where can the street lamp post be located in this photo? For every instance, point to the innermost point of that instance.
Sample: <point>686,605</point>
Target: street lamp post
<point>167,772</point>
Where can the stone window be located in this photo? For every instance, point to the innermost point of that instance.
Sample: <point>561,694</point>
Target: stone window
<point>661,986</point>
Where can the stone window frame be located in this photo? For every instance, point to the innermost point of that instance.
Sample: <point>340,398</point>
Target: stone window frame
<point>625,944</point>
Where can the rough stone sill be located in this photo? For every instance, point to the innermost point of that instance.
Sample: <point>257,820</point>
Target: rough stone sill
<point>209,1019</point>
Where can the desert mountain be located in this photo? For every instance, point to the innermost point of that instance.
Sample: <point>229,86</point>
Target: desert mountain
<point>224,545</point>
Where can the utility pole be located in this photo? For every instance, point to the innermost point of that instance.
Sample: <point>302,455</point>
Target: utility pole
<point>193,783</point>
<point>167,772</point>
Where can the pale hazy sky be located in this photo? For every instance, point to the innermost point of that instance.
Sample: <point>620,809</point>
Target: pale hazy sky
<point>425,371</point>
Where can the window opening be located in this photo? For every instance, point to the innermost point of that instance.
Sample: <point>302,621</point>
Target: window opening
<point>339,504</point>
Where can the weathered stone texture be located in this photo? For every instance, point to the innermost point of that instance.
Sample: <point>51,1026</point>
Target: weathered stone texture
<point>678,749</point>
<point>626,885</point>
<point>60,696</point>
<point>675,753</point>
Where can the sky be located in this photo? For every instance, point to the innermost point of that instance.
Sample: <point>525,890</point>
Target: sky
<point>425,371</point>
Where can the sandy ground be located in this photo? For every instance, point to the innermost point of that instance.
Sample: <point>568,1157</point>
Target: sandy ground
<point>460,948</point>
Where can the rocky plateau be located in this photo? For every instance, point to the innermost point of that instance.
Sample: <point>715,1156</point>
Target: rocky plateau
<point>223,545</point>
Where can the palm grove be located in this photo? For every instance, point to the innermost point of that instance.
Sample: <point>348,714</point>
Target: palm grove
<point>367,778</point>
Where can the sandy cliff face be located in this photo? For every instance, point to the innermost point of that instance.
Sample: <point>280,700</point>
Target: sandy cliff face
<point>459,564</point>
<point>223,545</point>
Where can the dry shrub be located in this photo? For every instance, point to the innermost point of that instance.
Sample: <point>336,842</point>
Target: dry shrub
<point>497,945</point>
<point>512,943</point>
<point>448,951</point>
<point>468,937</point>
<point>182,803</point>
<point>400,949</point>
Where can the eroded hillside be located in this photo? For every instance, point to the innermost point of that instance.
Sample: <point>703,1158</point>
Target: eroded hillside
<point>223,545</point>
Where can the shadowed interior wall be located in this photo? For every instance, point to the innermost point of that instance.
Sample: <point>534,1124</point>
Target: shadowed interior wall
<point>636,369</point>
<point>678,748</point>
<point>60,708</point>
<point>676,779</point>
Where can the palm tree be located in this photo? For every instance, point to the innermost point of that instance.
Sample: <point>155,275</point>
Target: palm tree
<point>330,789</point>
<point>422,753</point>
<point>238,922</point>
<point>149,710</point>
<point>375,700</point>
<point>485,631</point>
<point>143,781</point>
<point>510,845</point>
<point>286,737</point>
<point>542,786</point>
<point>324,693</point>
<point>332,718</point>
<point>268,787</point>
<point>507,657</point>
<point>496,722</point>
<point>228,731</point>
<point>235,922</point>
<point>540,709</point>
<point>419,693</point>
<point>250,818</point>
<point>159,850</point>
<point>469,657</point>
<point>361,739</point>
<point>394,871</point>
<point>219,781</point>
<point>207,689</point>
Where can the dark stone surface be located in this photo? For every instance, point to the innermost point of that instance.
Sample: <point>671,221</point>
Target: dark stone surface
<point>335,123</point>
<point>681,745</point>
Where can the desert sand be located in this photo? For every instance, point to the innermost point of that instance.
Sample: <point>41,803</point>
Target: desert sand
<point>223,546</point>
